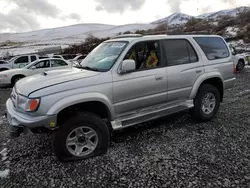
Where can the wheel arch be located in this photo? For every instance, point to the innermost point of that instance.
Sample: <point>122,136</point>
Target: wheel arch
<point>15,76</point>
<point>214,79</point>
<point>91,102</point>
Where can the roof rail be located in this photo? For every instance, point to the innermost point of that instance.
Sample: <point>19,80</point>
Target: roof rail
<point>126,36</point>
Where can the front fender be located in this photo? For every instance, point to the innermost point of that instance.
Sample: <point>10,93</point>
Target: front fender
<point>81,98</point>
<point>201,79</point>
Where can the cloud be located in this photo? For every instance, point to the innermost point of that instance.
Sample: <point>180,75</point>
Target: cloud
<point>23,17</point>
<point>41,7</point>
<point>73,16</point>
<point>18,21</point>
<point>118,6</point>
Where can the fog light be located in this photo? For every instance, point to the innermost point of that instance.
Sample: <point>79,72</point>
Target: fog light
<point>52,124</point>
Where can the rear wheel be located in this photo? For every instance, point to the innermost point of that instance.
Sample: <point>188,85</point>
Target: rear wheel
<point>83,136</point>
<point>240,65</point>
<point>206,103</point>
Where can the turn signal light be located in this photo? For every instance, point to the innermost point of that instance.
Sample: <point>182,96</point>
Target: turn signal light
<point>33,104</point>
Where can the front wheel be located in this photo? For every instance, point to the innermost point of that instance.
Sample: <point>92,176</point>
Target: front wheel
<point>15,79</point>
<point>206,103</point>
<point>83,136</point>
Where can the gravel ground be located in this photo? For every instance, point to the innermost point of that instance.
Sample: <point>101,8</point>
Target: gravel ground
<point>169,152</point>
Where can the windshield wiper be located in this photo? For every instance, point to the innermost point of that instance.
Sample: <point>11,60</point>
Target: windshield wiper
<point>91,68</point>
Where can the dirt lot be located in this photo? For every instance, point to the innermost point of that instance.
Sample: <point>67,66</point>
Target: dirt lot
<point>169,152</point>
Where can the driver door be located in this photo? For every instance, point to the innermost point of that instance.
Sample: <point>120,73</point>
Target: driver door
<point>142,90</point>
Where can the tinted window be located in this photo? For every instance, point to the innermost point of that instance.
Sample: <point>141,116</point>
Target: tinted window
<point>42,64</point>
<point>58,63</point>
<point>23,59</point>
<point>43,57</point>
<point>192,54</point>
<point>213,47</point>
<point>179,52</point>
<point>81,57</point>
<point>33,58</point>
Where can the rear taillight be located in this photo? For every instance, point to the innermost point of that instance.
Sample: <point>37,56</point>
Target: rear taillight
<point>234,68</point>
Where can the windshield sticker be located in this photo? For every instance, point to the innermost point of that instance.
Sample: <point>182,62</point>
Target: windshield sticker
<point>117,45</point>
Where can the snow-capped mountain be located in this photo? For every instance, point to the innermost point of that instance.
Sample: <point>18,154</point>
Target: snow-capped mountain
<point>174,19</point>
<point>229,12</point>
<point>180,18</point>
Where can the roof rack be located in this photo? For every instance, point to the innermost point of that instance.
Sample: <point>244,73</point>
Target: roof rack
<point>127,36</point>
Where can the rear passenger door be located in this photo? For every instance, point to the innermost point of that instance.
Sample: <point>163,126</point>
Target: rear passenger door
<point>183,67</point>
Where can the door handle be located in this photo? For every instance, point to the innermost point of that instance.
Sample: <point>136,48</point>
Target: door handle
<point>158,77</point>
<point>198,70</point>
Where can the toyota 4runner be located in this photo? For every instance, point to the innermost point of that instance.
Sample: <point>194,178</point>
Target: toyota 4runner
<point>124,81</point>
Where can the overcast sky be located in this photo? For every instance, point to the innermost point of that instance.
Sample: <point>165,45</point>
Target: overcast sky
<point>27,15</point>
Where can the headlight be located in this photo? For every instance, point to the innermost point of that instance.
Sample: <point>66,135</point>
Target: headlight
<point>29,105</point>
<point>3,76</point>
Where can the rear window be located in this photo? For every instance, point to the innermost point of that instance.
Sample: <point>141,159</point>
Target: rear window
<point>213,47</point>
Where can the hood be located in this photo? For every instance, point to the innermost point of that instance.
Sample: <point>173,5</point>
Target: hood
<point>50,78</point>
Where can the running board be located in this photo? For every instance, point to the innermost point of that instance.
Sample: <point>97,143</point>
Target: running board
<point>144,115</point>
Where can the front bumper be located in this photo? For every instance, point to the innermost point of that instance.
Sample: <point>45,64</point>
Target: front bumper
<point>20,122</point>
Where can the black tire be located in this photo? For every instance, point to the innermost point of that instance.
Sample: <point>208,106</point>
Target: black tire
<point>89,120</point>
<point>15,79</point>
<point>240,66</point>
<point>197,113</point>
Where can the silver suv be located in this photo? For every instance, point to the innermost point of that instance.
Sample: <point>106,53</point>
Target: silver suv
<point>123,82</point>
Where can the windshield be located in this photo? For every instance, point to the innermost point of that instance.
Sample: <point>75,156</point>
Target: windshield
<point>104,56</point>
<point>30,65</point>
<point>12,59</point>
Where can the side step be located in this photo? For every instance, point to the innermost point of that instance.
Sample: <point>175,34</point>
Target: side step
<point>144,116</point>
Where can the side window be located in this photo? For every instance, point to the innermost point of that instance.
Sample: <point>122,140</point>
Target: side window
<point>213,47</point>
<point>192,54</point>
<point>42,64</point>
<point>33,58</point>
<point>145,54</point>
<point>179,51</point>
<point>23,59</point>
<point>58,63</point>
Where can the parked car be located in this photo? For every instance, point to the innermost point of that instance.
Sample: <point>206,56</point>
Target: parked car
<point>240,60</point>
<point>122,82</point>
<point>12,76</point>
<point>65,56</point>
<point>19,62</point>
<point>78,59</point>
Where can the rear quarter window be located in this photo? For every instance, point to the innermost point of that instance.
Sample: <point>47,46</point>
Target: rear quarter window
<point>213,47</point>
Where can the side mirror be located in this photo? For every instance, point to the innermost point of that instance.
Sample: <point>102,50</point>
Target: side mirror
<point>33,68</point>
<point>128,65</point>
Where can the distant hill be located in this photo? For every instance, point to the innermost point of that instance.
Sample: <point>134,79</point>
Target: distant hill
<point>180,18</point>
